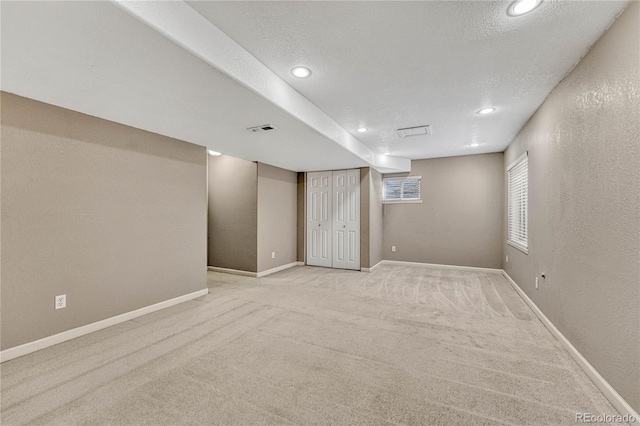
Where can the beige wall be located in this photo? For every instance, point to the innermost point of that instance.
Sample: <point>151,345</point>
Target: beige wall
<point>277,216</point>
<point>459,221</point>
<point>365,184</point>
<point>233,213</point>
<point>376,248</point>
<point>584,198</point>
<point>370,217</point>
<point>111,216</point>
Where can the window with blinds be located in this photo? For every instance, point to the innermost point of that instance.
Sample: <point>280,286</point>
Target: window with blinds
<point>517,203</point>
<point>401,190</point>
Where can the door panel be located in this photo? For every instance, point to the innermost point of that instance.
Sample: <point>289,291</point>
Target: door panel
<point>325,247</point>
<point>346,219</point>
<point>313,243</point>
<point>339,247</point>
<point>353,219</point>
<point>319,219</point>
<point>325,206</point>
<point>339,216</point>
<point>353,247</point>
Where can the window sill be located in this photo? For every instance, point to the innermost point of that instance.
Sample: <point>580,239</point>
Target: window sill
<point>517,246</point>
<point>401,201</point>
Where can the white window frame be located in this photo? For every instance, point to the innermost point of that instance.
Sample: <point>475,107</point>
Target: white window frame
<point>402,200</point>
<point>518,203</point>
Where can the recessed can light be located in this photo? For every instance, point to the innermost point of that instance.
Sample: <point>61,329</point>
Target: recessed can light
<point>214,153</point>
<point>387,153</point>
<point>362,129</point>
<point>301,72</point>
<point>520,7</point>
<point>487,110</point>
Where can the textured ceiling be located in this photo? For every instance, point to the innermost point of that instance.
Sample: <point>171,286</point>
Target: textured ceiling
<point>205,71</point>
<point>95,58</point>
<point>388,65</point>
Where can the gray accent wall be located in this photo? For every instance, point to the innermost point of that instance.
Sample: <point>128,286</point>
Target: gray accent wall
<point>460,219</point>
<point>233,213</point>
<point>277,216</point>
<point>113,217</point>
<point>252,213</point>
<point>301,216</point>
<point>584,206</point>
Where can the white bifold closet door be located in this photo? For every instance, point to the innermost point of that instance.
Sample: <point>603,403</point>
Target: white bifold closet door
<point>333,219</point>
<point>319,213</point>
<point>346,219</point>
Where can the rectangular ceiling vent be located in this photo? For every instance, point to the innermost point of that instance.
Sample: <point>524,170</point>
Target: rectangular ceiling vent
<point>414,131</point>
<point>263,128</point>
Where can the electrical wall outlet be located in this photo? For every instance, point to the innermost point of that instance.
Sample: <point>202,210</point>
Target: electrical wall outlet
<point>60,301</point>
<point>393,249</point>
<point>273,254</point>
<point>536,283</point>
<point>507,259</point>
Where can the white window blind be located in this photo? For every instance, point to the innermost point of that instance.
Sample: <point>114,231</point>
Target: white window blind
<point>401,190</point>
<point>517,203</point>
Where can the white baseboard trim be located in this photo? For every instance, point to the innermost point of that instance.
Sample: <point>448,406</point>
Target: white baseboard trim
<point>232,271</point>
<point>255,274</point>
<point>373,268</point>
<point>435,265</point>
<point>607,390</point>
<point>277,269</point>
<point>27,348</point>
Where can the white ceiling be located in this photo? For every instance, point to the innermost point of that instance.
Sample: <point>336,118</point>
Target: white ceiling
<point>162,67</point>
<point>389,65</point>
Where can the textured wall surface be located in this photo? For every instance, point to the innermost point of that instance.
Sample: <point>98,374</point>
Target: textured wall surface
<point>111,216</point>
<point>233,213</point>
<point>459,221</point>
<point>584,198</point>
<point>277,216</point>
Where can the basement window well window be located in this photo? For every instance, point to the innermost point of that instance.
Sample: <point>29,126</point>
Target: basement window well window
<point>517,203</point>
<point>401,190</point>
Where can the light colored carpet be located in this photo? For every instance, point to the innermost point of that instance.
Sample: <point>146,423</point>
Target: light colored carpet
<point>400,345</point>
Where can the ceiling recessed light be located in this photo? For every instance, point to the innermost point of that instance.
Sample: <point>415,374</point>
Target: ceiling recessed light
<point>362,129</point>
<point>215,153</point>
<point>488,110</point>
<point>520,7</point>
<point>387,153</point>
<point>475,144</point>
<point>301,72</point>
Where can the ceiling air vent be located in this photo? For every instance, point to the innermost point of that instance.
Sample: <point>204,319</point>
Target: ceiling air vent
<point>414,131</point>
<point>263,128</point>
